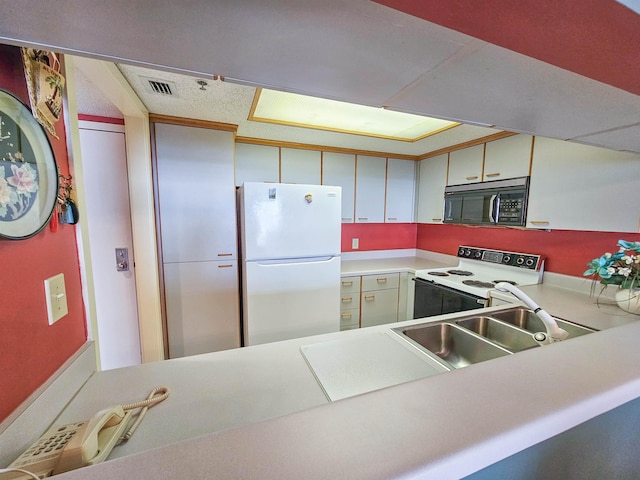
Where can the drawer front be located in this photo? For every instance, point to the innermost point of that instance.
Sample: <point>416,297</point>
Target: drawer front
<point>380,282</point>
<point>349,301</point>
<point>350,285</point>
<point>350,319</point>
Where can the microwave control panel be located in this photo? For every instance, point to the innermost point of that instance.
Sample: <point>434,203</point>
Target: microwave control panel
<point>513,259</point>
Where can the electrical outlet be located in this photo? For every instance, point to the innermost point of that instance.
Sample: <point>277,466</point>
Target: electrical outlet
<point>56,295</point>
<point>355,243</point>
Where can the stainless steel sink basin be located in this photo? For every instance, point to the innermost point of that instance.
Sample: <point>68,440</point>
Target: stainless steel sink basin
<point>452,344</point>
<point>469,339</point>
<point>527,320</point>
<point>503,334</point>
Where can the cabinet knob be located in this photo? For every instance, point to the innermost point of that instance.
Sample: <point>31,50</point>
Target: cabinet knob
<point>225,266</point>
<point>369,297</point>
<point>381,280</point>
<point>225,254</point>
<point>363,218</point>
<point>392,218</point>
<point>347,283</point>
<point>347,299</point>
<point>436,219</point>
<point>497,174</point>
<point>474,177</point>
<point>345,219</point>
<point>346,315</point>
<point>539,222</point>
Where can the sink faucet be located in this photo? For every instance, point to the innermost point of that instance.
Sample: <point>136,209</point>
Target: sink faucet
<point>554,332</point>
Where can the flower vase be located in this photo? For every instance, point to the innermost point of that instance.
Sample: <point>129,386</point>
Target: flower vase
<point>628,299</point>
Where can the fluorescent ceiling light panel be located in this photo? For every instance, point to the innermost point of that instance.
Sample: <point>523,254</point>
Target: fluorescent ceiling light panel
<point>311,112</point>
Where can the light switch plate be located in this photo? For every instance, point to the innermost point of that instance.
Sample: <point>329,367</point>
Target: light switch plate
<point>355,243</point>
<point>56,295</point>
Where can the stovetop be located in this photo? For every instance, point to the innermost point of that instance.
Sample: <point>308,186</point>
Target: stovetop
<point>479,269</point>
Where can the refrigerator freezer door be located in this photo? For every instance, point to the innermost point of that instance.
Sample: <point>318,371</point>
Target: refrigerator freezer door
<point>290,300</point>
<point>290,220</point>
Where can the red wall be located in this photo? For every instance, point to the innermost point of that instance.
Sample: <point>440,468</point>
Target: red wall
<point>30,349</point>
<point>566,251</point>
<point>379,236</point>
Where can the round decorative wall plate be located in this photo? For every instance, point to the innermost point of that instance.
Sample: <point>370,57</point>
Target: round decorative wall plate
<point>28,171</point>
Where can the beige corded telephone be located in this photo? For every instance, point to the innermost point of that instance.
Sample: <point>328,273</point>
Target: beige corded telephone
<point>67,447</point>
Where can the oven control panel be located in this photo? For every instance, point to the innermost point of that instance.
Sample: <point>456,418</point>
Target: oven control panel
<point>513,259</point>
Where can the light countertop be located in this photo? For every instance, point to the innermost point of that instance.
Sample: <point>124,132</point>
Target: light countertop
<point>259,412</point>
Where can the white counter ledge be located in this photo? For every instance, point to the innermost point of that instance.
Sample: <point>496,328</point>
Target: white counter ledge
<point>443,426</point>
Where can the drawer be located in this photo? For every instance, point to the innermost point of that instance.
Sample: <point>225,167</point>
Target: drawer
<point>350,285</point>
<point>380,282</point>
<point>349,300</point>
<point>350,319</point>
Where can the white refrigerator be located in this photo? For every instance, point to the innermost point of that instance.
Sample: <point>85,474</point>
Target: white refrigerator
<point>290,246</point>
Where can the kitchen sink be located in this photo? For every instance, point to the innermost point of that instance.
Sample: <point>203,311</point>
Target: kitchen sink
<point>452,344</point>
<point>504,334</point>
<point>527,320</point>
<point>470,339</point>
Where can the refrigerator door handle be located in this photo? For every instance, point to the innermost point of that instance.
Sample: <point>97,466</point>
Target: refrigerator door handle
<point>281,261</point>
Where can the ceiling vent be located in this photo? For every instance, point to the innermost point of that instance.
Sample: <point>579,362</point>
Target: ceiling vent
<point>160,87</point>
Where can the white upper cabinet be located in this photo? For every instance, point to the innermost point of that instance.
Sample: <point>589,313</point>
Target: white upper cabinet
<point>300,166</point>
<point>196,193</point>
<point>431,183</point>
<point>508,157</point>
<point>257,163</point>
<point>370,188</point>
<point>465,166</point>
<point>339,169</point>
<point>579,187</point>
<point>401,182</point>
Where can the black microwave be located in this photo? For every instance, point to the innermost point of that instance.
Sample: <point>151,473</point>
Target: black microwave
<point>498,202</point>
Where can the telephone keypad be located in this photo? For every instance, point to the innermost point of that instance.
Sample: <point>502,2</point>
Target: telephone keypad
<point>47,446</point>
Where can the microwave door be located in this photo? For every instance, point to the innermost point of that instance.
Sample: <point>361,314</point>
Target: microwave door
<point>475,209</point>
<point>452,209</point>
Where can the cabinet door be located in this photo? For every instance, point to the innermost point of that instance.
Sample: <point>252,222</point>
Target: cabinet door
<point>465,166</point>
<point>257,163</point>
<point>378,307</point>
<point>370,189</point>
<point>579,187</point>
<point>340,169</point>
<point>431,184</point>
<point>300,166</point>
<point>401,182</point>
<point>196,193</point>
<point>508,157</point>
<point>202,307</point>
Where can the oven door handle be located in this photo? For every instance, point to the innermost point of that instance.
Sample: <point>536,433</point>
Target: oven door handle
<point>494,212</point>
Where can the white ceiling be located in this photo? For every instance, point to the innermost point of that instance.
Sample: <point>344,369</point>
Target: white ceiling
<point>349,50</point>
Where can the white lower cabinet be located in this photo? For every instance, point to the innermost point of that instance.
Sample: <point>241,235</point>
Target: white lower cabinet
<point>369,300</point>
<point>202,304</point>
<point>379,299</point>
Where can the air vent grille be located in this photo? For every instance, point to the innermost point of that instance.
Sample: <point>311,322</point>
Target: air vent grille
<point>160,87</point>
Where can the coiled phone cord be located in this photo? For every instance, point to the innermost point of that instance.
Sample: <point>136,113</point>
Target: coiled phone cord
<point>157,395</point>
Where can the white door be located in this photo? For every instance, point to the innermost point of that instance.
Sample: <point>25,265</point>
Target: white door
<point>104,164</point>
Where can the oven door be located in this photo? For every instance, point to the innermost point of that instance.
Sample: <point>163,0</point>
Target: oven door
<point>432,299</point>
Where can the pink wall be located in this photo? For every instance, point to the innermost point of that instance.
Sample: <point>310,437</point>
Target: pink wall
<point>566,251</point>
<point>30,349</point>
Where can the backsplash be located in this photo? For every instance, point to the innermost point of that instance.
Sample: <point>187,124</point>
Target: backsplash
<point>566,251</point>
